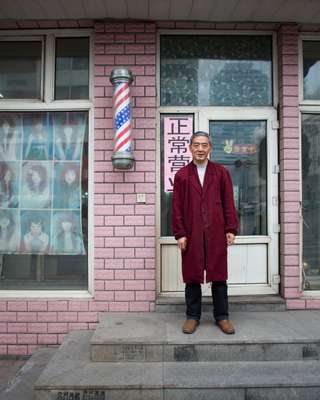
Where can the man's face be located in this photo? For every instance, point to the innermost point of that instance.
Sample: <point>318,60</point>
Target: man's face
<point>200,149</point>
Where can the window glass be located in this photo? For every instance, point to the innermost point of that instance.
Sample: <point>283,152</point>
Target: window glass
<point>311,200</point>
<point>20,70</point>
<point>72,68</point>
<point>222,70</point>
<point>43,200</point>
<point>311,70</point>
<point>241,147</point>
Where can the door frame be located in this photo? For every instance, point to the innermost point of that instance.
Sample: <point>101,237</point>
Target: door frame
<point>202,116</point>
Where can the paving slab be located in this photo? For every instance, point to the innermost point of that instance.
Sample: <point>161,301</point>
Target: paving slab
<point>20,384</point>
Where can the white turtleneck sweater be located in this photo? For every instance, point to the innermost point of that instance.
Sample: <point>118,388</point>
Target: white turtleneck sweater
<point>201,171</point>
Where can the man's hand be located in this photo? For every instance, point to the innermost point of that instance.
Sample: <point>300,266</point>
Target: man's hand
<point>182,243</point>
<point>230,238</point>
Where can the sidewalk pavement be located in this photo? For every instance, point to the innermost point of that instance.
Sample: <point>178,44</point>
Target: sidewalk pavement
<point>17,376</point>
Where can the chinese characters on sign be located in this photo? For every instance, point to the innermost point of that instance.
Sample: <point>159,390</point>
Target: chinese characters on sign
<point>241,149</point>
<point>177,133</point>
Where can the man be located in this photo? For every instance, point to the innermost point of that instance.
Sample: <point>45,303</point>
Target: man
<point>204,222</point>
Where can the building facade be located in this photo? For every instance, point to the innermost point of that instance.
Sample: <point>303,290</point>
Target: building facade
<point>79,237</point>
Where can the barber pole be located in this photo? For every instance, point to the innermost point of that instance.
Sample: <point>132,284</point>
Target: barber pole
<point>122,157</point>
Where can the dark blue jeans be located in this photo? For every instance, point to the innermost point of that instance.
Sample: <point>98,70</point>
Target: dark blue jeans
<point>193,297</point>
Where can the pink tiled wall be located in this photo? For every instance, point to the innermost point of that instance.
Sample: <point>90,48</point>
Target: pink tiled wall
<point>289,166</point>
<point>124,230</point>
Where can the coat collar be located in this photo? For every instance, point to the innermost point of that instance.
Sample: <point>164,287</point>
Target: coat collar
<point>208,177</point>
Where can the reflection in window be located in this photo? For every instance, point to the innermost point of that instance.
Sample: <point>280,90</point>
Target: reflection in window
<point>20,70</point>
<point>311,70</point>
<point>72,68</point>
<point>234,70</point>
<point>311,200</point>
<point>241,147</point>
<point>43,200</point>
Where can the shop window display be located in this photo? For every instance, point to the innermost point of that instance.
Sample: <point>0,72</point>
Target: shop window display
<point>43,199</point>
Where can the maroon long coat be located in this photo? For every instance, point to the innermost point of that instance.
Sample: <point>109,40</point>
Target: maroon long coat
<point>204,216</point>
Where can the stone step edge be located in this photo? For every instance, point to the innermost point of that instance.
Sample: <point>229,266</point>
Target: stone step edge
<point>237,382</point>
<point>213,342</point>
<point>241,300</point>
<point>71,368</point>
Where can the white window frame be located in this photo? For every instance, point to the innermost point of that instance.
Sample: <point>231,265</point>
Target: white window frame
<point>306,107</point>
<point>49,104</point>
<point>267,113</point>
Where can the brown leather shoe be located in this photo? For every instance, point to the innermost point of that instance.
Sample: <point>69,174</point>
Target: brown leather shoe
<point>226,326</point>
<point>190,325</point>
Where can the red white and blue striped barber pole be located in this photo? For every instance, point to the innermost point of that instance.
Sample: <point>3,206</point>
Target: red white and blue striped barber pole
<point>122,157</point>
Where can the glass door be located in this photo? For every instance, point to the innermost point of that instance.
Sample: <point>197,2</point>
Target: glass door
<point>246,144</point>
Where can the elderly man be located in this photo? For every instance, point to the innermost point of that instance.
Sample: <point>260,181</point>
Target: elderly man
<point>204,222</point>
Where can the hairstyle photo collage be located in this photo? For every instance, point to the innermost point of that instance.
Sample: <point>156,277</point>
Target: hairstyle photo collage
<point>40,182</point>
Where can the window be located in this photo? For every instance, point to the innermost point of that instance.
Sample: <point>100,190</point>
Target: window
<point>310,161</point>
<point>311,70</point>
<point>20,69</point>
<point>311,200</point>
<point>241,146</point>
<point>72,68</point>
<point>44,168</point>
<point>220,70</point>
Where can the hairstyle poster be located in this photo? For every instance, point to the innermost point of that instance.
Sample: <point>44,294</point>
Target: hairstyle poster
<point>66,237</point>
<point>36,184</point>
<point>66,185</point>
<point>35,232</point>
<point>37,136</point>
<point>9,231</point>
<point>10,136</point>
<point>69,130</point>
<point>40,182</point>
<point>9,184</point>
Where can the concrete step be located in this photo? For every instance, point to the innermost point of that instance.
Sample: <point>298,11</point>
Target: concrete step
<point>70,375</point>
<point>256,303</point>
<point>157,337</point>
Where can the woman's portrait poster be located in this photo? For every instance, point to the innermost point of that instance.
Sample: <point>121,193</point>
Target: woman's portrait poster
<point>35,232</point>
<point>36,185</point>
<point>37,136</point>
<point>9,184</point>
<point>10,136</point>
<point>67,233</point>
<point>9,231</point>
<point>69,130</point>
<point>67,188</point>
